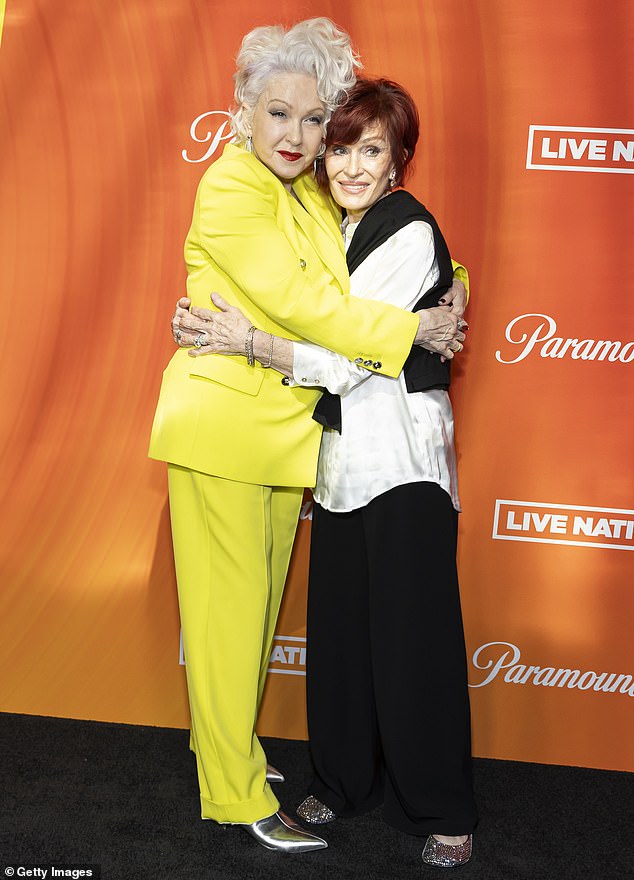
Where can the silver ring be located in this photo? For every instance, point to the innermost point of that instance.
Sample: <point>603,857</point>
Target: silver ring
<point>199,341</point>
<point>461,324</point>
<point>178,333</point>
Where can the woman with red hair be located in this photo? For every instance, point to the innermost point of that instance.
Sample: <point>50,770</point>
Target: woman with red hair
<point>387,698</point>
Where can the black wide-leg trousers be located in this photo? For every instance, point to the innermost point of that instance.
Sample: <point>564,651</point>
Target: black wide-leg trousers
<point>387,699</point>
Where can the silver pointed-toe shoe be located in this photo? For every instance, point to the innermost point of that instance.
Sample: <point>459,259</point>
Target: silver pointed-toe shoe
<point>273,775</point>
<point>279,832</point>
<point>446,855</point>
<point>314,812</point>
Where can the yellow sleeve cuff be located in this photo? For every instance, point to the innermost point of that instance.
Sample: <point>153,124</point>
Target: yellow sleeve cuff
<point>461,274</point>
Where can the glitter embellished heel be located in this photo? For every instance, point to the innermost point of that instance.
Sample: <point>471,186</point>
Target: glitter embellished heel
<point>446,855</point>
<point>314,812</point>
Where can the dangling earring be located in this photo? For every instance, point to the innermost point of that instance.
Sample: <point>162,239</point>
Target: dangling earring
<point>320,155</point>
<point>391,178</point>
<point>249,144</point>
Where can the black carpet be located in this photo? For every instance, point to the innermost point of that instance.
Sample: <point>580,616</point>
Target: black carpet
<point>125,798</point>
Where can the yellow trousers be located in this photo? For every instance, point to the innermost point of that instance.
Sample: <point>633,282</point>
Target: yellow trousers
<point>232,546</point>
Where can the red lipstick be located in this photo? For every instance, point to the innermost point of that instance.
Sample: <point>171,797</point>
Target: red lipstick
<point>290,157</point>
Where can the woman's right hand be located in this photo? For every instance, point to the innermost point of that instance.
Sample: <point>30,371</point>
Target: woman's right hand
<point>438,331</point>
<point>188,324</point>
<point>183,332</point>
<point>210,332</point>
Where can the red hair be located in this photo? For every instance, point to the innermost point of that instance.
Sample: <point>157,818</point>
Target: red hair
<point>375,102</point>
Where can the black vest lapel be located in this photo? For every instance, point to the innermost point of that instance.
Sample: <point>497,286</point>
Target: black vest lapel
<point>423,370</point>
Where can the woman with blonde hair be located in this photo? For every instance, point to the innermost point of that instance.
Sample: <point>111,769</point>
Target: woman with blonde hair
<point>241,445</point>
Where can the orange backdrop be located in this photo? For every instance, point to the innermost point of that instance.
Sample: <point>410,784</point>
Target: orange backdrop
<point>99,164</point>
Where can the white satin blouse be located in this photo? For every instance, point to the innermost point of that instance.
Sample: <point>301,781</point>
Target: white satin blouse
<point>389,437</point>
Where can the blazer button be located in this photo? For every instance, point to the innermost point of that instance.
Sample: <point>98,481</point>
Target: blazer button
<point>367,363</point>
<point>377,365</point>
<point>302,264</point>
<point>358,360</point>
<point>286,380</point>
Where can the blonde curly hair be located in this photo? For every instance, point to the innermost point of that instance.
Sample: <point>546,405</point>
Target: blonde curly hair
<point>316,47</point>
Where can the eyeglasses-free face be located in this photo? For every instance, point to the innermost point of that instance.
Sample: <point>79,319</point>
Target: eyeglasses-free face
<point>287,126</point>
<point>359,173</point>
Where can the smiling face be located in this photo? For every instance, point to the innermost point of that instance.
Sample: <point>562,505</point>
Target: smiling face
<point>359,173</point>
<point>287,125</point>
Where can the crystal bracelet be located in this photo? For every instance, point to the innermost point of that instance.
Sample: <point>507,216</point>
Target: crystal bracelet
<point>248,346</point>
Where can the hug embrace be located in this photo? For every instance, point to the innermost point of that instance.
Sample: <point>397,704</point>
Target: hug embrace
<point>322,359</point>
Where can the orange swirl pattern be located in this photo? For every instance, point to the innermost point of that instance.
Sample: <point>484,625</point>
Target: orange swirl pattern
<point>97,103</point>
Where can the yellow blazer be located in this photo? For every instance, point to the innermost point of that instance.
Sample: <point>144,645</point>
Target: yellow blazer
<point>283,264</point>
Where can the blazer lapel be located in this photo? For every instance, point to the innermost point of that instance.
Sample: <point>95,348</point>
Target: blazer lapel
<point>316,216</point>
<point>316,219</point>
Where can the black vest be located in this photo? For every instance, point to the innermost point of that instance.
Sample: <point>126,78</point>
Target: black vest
<point>423,369</point>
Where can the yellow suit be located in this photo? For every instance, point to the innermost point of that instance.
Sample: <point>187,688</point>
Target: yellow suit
<point>284,266</point>
<point>241,446</point>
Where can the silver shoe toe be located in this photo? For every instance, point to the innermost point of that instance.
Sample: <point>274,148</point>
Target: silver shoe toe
<point>314,812</point>
<point>445,855</point>
<point>280,833</point>
<point>274,775</point>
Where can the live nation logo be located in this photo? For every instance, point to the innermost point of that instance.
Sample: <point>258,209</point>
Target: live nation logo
<point>562,148</point>
<point>288,656</point>
<point>546,523</point>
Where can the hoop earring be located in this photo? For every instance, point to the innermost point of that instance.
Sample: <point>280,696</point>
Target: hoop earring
<point>321,152</point>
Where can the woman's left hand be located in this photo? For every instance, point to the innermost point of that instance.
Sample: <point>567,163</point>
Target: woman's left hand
<point>456,298</point>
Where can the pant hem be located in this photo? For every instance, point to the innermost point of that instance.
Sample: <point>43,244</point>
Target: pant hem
<point>243,812</point>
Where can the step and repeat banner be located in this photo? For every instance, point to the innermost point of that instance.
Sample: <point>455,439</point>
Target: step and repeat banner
<point>109,114</point>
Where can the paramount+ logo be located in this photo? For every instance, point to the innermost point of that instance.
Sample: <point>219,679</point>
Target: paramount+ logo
<point>561,148</point>
<point>607,527</point>
<point>535,333</point>
<point>501,661</point>
<point>209,129</point>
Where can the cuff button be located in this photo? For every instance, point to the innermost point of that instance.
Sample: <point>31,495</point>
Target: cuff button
<point>377,365</point>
